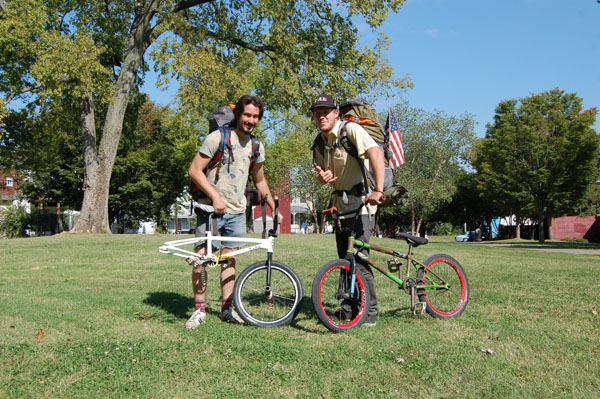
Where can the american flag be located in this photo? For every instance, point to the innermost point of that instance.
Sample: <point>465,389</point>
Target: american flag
<point>395,141</point>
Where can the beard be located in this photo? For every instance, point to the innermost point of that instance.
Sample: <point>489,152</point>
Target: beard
<point>247,129</point>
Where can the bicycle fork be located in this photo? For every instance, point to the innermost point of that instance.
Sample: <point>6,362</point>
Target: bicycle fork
<point>268,292</point>
<point>345,291</point>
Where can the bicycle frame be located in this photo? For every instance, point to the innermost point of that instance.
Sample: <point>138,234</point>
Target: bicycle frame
<point>210,259</point>
<point>394,265</point>
<point>173,247</point>
<point>342,292</point>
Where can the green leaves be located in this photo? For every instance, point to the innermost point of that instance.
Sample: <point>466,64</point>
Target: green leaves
<point>285,52</point>
<point>435,146</point>
<point>543,147</point>
<point>88,56</point>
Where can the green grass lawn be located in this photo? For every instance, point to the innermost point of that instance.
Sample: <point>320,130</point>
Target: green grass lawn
<point>101,316</point>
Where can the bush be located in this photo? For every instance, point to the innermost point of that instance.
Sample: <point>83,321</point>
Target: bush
<point>13,221</point>
<point>576,240</point>
<point>444,229</point>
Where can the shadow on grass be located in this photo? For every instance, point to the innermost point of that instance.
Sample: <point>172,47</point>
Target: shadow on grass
<point>171,302</point>
<point>535,244</point>
<point>181,306</point>
<point>305,312</point>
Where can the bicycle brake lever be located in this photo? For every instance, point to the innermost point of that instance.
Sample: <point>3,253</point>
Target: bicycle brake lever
<point>329,211</point>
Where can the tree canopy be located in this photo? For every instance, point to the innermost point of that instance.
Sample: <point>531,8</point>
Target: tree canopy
<point>543,145</point>
<point>435,145</point>
<point>90,56</point>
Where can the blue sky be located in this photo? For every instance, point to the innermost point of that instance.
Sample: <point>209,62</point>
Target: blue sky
<point>468,55</point>
<point>465,56</point>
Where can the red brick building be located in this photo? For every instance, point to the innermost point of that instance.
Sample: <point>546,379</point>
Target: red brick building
<point>9,187</point>
<point>572,227</point>
<point>285,209</point>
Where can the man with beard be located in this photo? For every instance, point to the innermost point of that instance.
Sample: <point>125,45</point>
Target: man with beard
<point>224,185</point>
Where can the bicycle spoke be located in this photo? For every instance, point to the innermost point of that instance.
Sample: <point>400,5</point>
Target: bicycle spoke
<point>338,308</point>
<point>444,287</point>
<point>267,308</point>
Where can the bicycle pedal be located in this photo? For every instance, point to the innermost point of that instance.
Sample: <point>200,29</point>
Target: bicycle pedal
<point>420,308</point>
<point>193,261</point>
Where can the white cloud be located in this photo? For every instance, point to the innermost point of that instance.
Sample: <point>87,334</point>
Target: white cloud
<point>432,32</point>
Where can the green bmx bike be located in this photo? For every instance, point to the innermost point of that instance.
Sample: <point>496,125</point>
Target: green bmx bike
<point>438,285</point>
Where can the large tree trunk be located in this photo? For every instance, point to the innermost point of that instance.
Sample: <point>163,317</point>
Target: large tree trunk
<point>418,228</point>
<point>99,164</point>
<point>541,224</point>
<point>91,209</point>
<point>413,216</point>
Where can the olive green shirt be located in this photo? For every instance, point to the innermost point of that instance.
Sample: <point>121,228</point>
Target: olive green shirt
<point>345,167</point>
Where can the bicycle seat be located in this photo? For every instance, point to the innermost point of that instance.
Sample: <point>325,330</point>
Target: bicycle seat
<point>203,209</point>
<point>413,240</point>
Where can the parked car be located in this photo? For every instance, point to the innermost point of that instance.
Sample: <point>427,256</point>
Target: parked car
<point>461,238</point>
<point>475,235</point>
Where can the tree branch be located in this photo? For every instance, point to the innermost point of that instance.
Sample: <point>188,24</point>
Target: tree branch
<point>241,43</point>
<point>24,90</point>
<point>185,4</point>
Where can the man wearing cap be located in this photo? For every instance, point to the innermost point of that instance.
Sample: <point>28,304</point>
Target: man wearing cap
<point>335,166</point>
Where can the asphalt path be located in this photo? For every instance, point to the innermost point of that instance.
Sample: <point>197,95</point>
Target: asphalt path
<point>575,251</point>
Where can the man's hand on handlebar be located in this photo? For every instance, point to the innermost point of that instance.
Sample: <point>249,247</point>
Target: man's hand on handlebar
<point>375,198</point>
<point>219,205</point>
<point>330,211</point>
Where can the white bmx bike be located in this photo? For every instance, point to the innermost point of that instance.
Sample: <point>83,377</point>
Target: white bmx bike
<point>267,293</point>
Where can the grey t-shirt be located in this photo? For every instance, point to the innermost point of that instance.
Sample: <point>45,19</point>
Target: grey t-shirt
<point>233,174</point>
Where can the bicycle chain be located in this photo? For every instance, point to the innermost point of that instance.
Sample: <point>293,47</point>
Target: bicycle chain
<point>196,261</point>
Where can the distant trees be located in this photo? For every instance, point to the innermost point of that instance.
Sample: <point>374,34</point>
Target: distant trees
<point>435,146</point>
<point>541,149</point>
<point>151,166</point>
<point>150,169</point>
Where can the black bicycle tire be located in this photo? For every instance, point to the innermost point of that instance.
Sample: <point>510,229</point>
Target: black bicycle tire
<point>318,295</point>
<point>432,304</point>
<point>276,267</point>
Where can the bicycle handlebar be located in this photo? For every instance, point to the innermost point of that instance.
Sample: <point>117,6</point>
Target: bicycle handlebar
<point>334,211</point>
<point>273,231</point>
<point>330,211</point>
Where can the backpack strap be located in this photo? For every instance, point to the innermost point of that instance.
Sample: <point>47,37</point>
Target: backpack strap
<point>320,145</point>
<point>351,149</point>
<point>224,148</point>
<point>317,145</point>
<point>255,150</point>
<point>224,142</point>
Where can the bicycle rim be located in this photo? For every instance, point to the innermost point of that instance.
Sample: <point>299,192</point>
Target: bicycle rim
<point>337,313</point>
<point>448,288</point>
<point>275,308</point>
